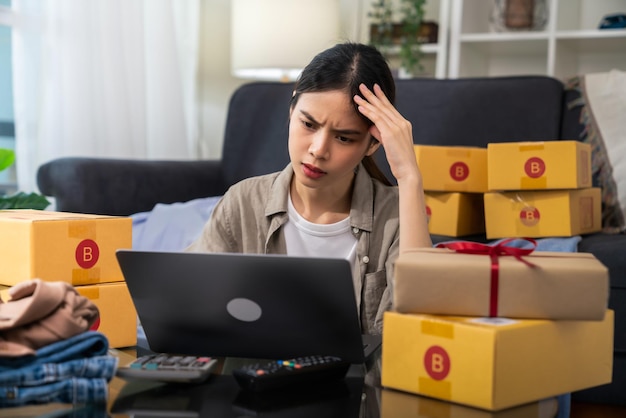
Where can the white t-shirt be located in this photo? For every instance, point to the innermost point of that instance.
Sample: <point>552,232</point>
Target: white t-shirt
<point>307,239</point>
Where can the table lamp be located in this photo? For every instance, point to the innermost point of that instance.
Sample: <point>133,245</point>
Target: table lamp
<point>274,40</point>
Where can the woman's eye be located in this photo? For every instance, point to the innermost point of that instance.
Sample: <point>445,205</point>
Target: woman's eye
<point>344,139</point>
<point>307,124</point>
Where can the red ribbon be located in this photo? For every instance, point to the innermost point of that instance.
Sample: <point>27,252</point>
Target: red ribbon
<point>493,251</point>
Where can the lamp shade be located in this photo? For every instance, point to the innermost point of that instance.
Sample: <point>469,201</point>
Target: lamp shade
<point>276,39</point>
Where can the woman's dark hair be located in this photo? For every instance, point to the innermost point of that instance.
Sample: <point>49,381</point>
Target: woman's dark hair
<point>344,67</point>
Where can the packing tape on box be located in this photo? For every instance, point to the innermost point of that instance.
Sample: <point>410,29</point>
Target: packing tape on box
<point>85,276</point>
<point>494,252</point>
<point>532,166</point>
<point>456,187</point>
<point>90,292</point>
<point>439,388</point>
<point>438,329</point>
<point>458,169</point>
<point>81,229</point>
<point>531,183</point>
<point>87,252</point>
<point>528,215</point>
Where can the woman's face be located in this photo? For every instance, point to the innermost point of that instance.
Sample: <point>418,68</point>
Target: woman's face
<point>327,139</point>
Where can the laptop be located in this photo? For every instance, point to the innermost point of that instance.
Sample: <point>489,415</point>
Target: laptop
<point>246,305</point>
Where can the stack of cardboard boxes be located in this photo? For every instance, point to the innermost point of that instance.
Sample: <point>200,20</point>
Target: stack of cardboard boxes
<point>75,248</point>
<point>541,189</point>
<point>517,189</point>
<point>497,326</point>
<point>454,180</point>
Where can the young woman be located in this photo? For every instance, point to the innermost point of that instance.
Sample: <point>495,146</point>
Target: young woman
<point>331,200</point>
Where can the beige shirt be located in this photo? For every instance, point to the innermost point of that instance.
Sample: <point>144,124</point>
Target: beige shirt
<point>250,216</point>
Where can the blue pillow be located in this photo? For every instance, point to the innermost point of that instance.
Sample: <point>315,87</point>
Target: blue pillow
<point>171,227</point>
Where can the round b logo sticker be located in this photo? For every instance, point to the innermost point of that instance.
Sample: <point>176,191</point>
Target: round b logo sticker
<point>437,362</point>
<point>87,253</point>
<point>529,216</point>
<point>459,171</point>
<point>534,167</point>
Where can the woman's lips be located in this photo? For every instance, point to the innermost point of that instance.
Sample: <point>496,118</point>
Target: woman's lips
<point>312,172</point>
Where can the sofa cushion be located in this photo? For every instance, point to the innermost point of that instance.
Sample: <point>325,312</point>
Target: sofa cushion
<point>598,128</point>
<point>256,130</point>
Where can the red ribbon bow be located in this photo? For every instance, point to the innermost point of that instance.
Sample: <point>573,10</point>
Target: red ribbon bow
<point>493,251</point>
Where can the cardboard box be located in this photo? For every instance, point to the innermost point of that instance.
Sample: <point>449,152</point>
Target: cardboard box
<point>573,286</point>
<point>58,246</point>
<point>396,404</point>
<point>455,214</point>
<point>118,317</point>
<point>539,165</point>
<point>452,169</point>
<point>546,213</point>
<point>494,363</point>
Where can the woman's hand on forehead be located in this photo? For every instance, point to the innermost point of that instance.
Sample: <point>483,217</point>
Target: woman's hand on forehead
<point>394,132</point>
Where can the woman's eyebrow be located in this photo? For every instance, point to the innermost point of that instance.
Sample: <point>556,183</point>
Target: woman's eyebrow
<point>309,117</point>
<point>337,131</point>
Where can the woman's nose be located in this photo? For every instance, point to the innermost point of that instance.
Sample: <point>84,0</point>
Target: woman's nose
<point>320,146</point>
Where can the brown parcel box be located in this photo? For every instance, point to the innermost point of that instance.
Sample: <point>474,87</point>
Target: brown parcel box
<point>440,281</point>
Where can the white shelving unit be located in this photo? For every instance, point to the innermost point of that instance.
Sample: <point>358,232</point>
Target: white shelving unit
<point>434,58</point>
<point>569,45</point>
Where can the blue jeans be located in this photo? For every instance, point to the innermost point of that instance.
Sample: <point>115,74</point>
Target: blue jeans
<point>87,368</point>
<point>86,344</point>
<point>565,405</point>
<point>74,390</point>
<point>75,370</point>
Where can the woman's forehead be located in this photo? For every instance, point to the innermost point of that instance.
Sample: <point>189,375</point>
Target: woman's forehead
<point>335,104</point>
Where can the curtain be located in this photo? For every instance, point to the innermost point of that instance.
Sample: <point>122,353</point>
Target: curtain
<point>104,78</point>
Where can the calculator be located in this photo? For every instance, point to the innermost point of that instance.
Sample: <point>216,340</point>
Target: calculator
<point>169,368</point>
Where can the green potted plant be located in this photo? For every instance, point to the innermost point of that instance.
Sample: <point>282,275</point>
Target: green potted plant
<point>19,200</point>
<point>410,51</point>
<point>382,27</point>
<point>404,34</point>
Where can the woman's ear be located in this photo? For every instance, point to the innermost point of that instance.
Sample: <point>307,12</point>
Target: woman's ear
<point>374,144</point>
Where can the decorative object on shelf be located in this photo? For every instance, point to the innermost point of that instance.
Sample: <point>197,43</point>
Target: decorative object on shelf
<point>613,21</point>
<point>19,200</point>
<point>404,36</point>
<point>519,15</point>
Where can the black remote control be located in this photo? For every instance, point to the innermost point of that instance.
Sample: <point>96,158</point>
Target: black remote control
<point>281,374</point>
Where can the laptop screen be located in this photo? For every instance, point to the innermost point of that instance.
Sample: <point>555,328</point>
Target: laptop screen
<point>244,305</point>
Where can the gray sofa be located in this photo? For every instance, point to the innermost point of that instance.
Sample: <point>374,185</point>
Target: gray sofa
<point>471,112</point>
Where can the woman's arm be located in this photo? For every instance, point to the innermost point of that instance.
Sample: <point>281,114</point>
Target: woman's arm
<point>395,134</point>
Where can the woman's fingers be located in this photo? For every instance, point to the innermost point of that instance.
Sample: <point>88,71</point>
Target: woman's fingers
<point>376,106</point>
<point>377,101</point>
<point>393,131</point>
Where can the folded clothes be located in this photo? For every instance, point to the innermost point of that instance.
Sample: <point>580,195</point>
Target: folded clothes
<point>95,367</point>
<point>74,390</point>
<point>84,345</point>
<point>40,313</point>
<point>74,370</point>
